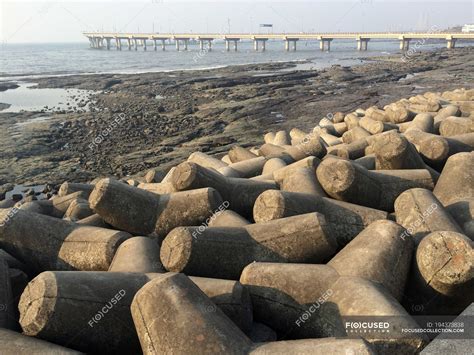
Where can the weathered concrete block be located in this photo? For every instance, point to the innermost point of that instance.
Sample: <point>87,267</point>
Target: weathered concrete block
<point>300,239</point>
<point>350,182</point>
<point>463,213</point>
<point>380,253</point>
<point>452,126</point>
<point>16,343</point>
<point>68,188</point>
<point>456,182</point>
<point>55,244</point>
<point>78,209</point>
<point>170,315</point>
<point>272,165</point>
<point>281,293</point>
<point>353,150</point>
<point>137,254</point>
<point>227,218</point>
<point>422,122</point>
<point>421,213</point>
<point>206,160</point>
<point>238,153</point>
<point>240,193</point>
<point>8,318</point>
<point>442,281</point>
<point>355,134</point>
<point>393,151</point>
<point>159,188</point>
<point>302,180</point>
<point>346,219</point>
<point>90,311</point>
<point>245,168</point>
<point>144,213</point>
<point>154,175</point>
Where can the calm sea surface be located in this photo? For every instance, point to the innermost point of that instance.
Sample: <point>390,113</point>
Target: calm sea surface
<point>78,58</point>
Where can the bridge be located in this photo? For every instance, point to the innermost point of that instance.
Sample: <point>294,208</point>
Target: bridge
<point>101,40</point>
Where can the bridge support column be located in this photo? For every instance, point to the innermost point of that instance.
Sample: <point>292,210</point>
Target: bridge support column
<point>227,45</point>
<point>185,44</point>
<point>108,43</point>
<point>404,44</point>
<point>325,44</point>
<point>129,43</point>
<point>118,44</point>
<point>235,45</point>
<point>144,44</point>
<point>209,45</point>
<point>362,44</point>
<point>450,43</point>
<point>163,45</point>
<point>155,46</point>
<point>201,45</point>
<point>177,45</point>
<point>135,43</point>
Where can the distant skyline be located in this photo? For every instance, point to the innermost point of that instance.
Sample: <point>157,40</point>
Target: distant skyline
<point>64,21</point>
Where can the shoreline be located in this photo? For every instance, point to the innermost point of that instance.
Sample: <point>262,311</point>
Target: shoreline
<point>170,114</point>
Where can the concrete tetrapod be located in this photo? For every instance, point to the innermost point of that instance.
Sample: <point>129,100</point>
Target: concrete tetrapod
<point>55,244</point>
<point>227,218</point>
<point>350,182</point>
<point>393,151</point>
<point>289,296</point>
<point>237,153</point>
<point>206,160</point>
<point>463,213</point>
<point>380,254</point>
<point>420,212</point>
<point>224,252</point>
<point>170,315</point>
<point>240,193</point>
<point>144,213</point>
<point>90,311</point>
<point>307,301</point>
<point>302,180</point>
<point>55,207</point>
<point>7,314</point>
<point>346,219</point>
<point>245,168</point>
<point>442,280</point>
<point>137,254</point>
<point>456,181</point>
<point>67,188</point>
<point>19,344</point>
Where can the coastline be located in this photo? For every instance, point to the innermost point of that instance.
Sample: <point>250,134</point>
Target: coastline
<point>161,117</point>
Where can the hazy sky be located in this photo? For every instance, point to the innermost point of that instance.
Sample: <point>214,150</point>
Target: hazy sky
<point>64,21</point>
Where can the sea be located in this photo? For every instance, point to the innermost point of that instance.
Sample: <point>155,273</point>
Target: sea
<point>20,61</point>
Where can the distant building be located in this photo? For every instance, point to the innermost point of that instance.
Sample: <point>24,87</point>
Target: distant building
<point>468,28</point>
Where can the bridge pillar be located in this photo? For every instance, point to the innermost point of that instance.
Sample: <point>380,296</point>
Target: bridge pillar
<point>235,45</point>
<point>155,47</point>
<point>404,44</point>
<point>129,42</point>
<point>163,45</point>
<point>177,45</point>
<point>209,45</point>
<point>325,43</point>
<point>287,44</point>
<point>201,45</point>
<point>451,43</point>
<point>362,44</point>
<point>255,44</point>
<point>108,43</point>
<point>135,43</point>
<point>118,44</point>
<point>144,44</point>
<point>227,45</point>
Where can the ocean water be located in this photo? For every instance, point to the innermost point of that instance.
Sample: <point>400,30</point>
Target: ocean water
<point>29,60</point>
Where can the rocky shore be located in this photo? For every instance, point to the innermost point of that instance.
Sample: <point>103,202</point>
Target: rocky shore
<point>143,121</point>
